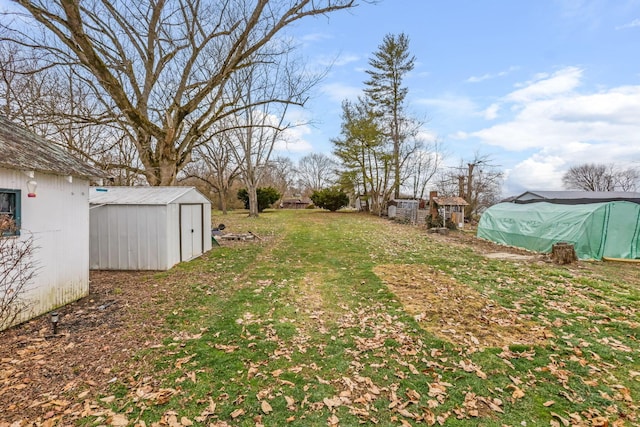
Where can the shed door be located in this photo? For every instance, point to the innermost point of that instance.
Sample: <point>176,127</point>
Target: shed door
<point>190,231</point>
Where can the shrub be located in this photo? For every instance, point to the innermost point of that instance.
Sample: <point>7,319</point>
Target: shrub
<point>330,198</point>
<point>16,271</point>
<point>266,197</point>
<point>437,223</point>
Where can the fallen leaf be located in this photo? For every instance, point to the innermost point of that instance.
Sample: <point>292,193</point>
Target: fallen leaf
<point>517,393</point>
<point>118,420</point>
<point>266,407</point>
<point>332,403</point>
<point>237,413</point>
<point>548,403</point>
<point>565,422</point>
<point>290,401</point>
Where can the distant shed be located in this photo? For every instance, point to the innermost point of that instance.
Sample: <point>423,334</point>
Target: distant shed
<point>450,208</point>
<point>147,228</point>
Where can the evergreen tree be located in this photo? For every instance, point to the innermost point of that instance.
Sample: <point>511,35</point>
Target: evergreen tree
<point>330,198</point>
<point>361,152</point>
<point>386,94</point>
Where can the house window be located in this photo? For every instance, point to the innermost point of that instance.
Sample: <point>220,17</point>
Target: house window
<point>9,212</point>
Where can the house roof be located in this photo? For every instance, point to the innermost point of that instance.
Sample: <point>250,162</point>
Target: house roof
<point>24,150</point>
<point>577,197</point>
<point>450,201</point>
<point>137,195</point>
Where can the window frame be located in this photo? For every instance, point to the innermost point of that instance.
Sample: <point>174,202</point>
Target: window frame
<point>17,214</point>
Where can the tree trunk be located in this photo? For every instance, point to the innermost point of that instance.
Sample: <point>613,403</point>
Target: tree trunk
<point>222,195</point>
<point>563,253</point>
<point>253,201</point>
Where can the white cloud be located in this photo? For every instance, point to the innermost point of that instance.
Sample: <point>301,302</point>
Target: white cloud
<point>634,23</point>
<point>294,141</point>
<point>489,76</point>
<point>491,113</point>
<point>452,104</point>
<point>561,127</point>
<point>544,169</point>
<point>549,112</point>
<point>545,86</point>
<point>539,172</point>
<point>338,92</point>
<point>335,60</point>
<point>427,136</point>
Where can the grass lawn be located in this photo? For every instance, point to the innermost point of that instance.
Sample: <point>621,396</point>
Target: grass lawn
<point>343,319</point>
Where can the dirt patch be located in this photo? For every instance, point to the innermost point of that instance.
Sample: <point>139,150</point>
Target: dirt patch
<point>456,312</point>
<point>510,256</point>
<point>487,248</point>
<point>43,375</point>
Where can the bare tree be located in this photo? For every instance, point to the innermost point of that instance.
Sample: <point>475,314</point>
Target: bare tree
<point>628,179</point>
<point>214,166</point>
<point>315,172</point>
<point>600,177</point>
<point>477,181</point>
<point>253,132</point>
<point>17,268</point>
<point>422,167</point>
<point>280,174</point>
<point>53,104</point>
<point>161,67</point>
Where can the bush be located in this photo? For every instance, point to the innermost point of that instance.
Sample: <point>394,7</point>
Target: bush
<point>266,197</point>
<point>437,223</point>
<point>17,269</point>
<point>330,198</point>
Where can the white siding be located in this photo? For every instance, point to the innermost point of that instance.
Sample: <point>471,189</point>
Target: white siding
<point>173,231</point>
<point>58,220</point>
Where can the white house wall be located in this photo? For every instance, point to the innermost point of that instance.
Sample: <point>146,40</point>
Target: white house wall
<point>58,220</point>
<point>129,237</point>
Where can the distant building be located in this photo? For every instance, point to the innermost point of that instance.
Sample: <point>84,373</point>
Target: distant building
<point>576,197</point>
<point>296,203</point>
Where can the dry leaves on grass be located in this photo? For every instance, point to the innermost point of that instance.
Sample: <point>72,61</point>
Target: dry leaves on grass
<point>456,312</point>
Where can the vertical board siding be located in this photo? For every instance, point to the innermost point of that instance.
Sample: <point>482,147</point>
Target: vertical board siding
<point>128,237</point>
<point>58,221</point>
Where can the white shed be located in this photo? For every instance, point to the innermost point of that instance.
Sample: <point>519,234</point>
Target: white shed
<point>147,228</point>
<point>44,191</point>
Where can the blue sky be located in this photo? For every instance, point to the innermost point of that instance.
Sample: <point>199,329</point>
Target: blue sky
<point>536,85</point>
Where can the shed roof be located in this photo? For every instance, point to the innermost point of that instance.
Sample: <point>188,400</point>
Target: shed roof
<point>137,195</point>
<point>450,201</point>
<point>577,197</point>
<point>22,149</point>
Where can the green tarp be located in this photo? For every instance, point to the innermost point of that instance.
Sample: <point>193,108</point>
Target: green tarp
<point>596,230</point>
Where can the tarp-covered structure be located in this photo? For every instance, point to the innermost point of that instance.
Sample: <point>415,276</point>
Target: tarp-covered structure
<point>597,230</point>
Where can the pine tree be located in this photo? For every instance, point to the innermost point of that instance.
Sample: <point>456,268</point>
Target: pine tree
<point>386,94</point>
